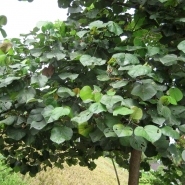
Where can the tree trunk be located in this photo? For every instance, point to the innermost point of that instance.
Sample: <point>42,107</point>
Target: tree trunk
<point>134,167</point>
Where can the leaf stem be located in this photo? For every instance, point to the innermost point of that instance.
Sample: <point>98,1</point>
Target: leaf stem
<point>117,177</point>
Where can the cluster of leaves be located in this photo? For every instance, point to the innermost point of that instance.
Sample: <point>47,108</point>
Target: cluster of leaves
<point>171,175</point>
<point>104,80</point>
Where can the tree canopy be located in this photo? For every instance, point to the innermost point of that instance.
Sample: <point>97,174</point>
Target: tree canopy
<point>109,80</point>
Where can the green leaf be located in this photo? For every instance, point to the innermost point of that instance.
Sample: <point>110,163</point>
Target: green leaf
<point>175,154</point>
<point>74,10</point>
<point>26,95</point>
<point>2,59</point>
<point>177,110</point>
<point>3,20</point>
<point>38,125</point>
<point>87,60</point>
<point>144,91</point>
<point>35,115</point>
<point>98,24</point>
<point>71,76</point>
<point>96,135</point>
<point>139,70</point>
<point>3,32</point>
<point>9,120</point>
<point>162,1</point>
<point>158,120</point>
<point>36,52</point>
<point>149,132</point>
<point>122,111</point>
<point>7,81</point>
<point>125,59</point>
<point>84,129</point>
<point>109,101</point>
<point>82,117</point>
<point>122,131</point>
<point>182,128</point>
<point>96,108</point>
<point>42,23</point>
<point>86,93</point>
<point>49,93</point>
<point>16,134</point>
<point>56,53</point>
<point>109,132</point>
<point>163,110</point>
<point>92,13</point>
<point>175,93</point>
<point>41,80</point>
<point>51,114</point>
<point>138,143</point>
<point>59,134</point>
<point>137,114</point>
<point>183,155</point>
<point>168,131</point>
<point>153,50</point>
<point>162,143</point>
<point>57,112</point>
<point>125,141</point>
<point>111,120</point>
<point>165,100</point>
<point>65,92</point>
<point>181,46</point>
<point>97,96</point>
<point>81,33</point>
<point>118,84</point>
<point>169,60</point>
<point>114,27</point>
<point>103,77</point>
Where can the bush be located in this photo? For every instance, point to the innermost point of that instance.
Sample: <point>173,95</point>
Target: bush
<point>7,177</point>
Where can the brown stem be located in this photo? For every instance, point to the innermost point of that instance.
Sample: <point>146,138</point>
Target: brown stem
<point>134,167</point>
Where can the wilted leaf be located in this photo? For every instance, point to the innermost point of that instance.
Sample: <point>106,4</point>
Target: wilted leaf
<point>48,71</point>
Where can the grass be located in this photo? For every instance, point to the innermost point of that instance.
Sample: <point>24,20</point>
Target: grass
<point>7,177</point>
<point>104,174</point>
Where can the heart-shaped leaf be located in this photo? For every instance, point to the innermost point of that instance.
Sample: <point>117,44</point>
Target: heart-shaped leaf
<point>109,101</point>
<point>168,131</point>
<point>59,134</point>
<point>122,111</point>
<point>122,131</point>
<point>138,143</point>
<point>84,129</point>
<point>82,117</point>
<point>144,91</point>
<point>149,132</point>
<point>108,132</point>
<point>96,108</point>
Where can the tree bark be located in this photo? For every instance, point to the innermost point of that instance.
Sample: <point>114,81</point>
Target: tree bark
<point>134,167</point>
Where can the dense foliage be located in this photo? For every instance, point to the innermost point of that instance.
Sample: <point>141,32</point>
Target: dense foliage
<point>110,78</point>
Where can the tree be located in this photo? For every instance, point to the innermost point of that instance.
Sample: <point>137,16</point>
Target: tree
<point>107,80</point>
